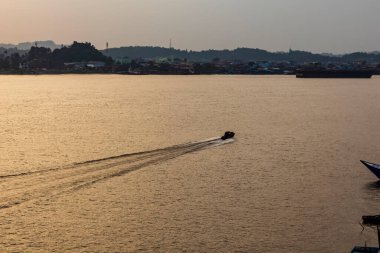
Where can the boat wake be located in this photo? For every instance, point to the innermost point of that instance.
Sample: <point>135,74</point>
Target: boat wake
<point>27,186</point>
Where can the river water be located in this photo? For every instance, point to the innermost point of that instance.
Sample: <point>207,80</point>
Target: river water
<point>109,163</point>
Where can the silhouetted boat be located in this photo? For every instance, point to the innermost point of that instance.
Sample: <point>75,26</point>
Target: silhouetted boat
<point>369,221</point>
<point>227,135</point>
<point>373,167</point>
<point>326,73</point>
<point>365,249</point>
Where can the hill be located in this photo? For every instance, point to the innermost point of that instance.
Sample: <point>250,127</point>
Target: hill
<point>45,58</point>
<point>243,54</point>
<point>28,45</point>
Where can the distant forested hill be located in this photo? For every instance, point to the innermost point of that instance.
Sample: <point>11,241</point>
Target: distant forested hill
<point>244,54</point>
<point>27,45</point>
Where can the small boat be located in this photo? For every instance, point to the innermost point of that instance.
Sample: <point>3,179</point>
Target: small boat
<point>329,73</point>
<point>374,168</point>
<point>365,249</point>
<point>227,135</point>
<point>369,221</point>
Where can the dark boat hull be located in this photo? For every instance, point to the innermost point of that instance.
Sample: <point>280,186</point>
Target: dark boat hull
<point>228,135</point>
<point>334,74</point>
<point>365,249</point>
<point>374,168</point>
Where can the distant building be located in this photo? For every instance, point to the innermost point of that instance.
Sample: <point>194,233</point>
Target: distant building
<point>95,64</point>
<point>85,64</point>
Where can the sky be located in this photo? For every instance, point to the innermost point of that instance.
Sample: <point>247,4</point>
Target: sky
<point>332,26</point>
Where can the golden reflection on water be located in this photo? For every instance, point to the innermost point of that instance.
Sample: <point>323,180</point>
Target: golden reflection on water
<point>292,179</point>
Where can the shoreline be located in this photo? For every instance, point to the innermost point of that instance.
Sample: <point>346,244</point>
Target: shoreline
<point>170,74</point>
<point>133,74</point>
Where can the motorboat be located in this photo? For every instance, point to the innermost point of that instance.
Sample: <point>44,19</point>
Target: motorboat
<point>228,135</point>
<point>373,167</point>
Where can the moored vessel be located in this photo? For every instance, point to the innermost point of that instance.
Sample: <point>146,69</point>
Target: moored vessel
<point>326,73</point>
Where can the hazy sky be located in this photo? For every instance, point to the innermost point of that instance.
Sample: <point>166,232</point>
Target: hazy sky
<point>315,25</point>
